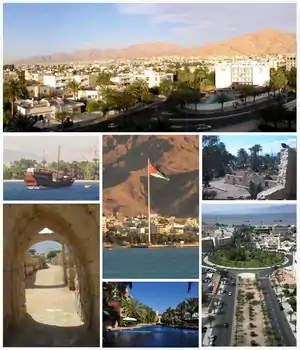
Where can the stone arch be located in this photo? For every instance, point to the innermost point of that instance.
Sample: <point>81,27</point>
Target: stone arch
<point>78,227</point>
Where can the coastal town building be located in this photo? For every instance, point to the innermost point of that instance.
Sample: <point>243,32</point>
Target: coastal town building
<point>59,82</point>
<point>241,73</point>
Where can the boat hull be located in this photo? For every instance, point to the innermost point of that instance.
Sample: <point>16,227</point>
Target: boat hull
<point>38,181</point>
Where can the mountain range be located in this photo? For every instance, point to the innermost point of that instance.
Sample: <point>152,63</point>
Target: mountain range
<point>262,42</point>
<point>125,187</point>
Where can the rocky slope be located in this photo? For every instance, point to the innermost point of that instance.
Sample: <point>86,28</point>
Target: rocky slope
<point>258,43</point>
<point>125,175</point>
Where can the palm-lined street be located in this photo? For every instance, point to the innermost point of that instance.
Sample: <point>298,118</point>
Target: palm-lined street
<point>188,89</point>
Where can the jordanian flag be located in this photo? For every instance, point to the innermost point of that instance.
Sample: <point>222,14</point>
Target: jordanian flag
<point>155,172</point>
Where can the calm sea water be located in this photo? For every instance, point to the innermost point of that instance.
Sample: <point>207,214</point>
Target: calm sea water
<point>151,263</point>
<point>17,191</point>
<point>154,336</point>
<point>255,219</point>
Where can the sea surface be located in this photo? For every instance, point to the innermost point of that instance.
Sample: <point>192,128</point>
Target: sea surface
<point>154,336</point>
<point>151,263</point>
<point>17,191</point>
<point>255,219</point>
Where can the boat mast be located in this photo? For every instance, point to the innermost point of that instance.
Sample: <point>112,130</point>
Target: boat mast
<point>149,205</point>
<point>58,156</point>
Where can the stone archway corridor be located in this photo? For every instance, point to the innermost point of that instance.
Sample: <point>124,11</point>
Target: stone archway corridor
<point>55,304</point>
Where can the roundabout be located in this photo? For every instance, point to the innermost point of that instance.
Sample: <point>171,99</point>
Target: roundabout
<point>235,270</point>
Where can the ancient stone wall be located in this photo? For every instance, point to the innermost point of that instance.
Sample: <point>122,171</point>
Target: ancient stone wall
<point>33,263</point>
<point>286,187</point>
<point>78,227</point>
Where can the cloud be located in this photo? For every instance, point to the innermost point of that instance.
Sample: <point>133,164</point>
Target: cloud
<point>225,17</point>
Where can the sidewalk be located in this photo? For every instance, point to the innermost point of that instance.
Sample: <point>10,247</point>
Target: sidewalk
<point>287,307</point>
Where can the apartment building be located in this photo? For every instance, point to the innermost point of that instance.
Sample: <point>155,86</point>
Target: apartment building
<point>289,61</point>
<point>38,91</point>
<point>57,83</point>
<point>241,73</point>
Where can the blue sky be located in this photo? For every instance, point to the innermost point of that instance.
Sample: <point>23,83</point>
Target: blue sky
<point>271,144</point>
<point>161,295</point>
<point>39,29</point>
<point>236,209</point>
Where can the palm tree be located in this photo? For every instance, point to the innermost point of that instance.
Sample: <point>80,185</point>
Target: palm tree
<point>62,116</point>
<point>242,157</point>
<point>254,160</point>
<point>181,310</point>
<point>138,88</point>
<point>22,123</point>
<point>221,98</point>
<point>166,87</point>
<point>12,91</point>
<point>74,86</point>
<point>291,313</point>
<point>103,78</point>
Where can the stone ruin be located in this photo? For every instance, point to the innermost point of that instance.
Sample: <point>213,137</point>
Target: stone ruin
<point>77,228</point>
<point>286,187</point>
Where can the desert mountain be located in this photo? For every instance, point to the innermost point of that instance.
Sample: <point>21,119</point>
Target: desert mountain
<point>125,181</point>
<point>258,43</point>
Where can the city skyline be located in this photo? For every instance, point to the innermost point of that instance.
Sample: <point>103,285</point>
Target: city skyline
<point>102,24</point>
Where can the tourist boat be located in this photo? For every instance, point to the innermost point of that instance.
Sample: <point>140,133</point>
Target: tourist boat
<point>35,178</point>
<point>87,186</point>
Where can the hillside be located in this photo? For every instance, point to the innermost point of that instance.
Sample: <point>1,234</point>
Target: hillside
<point>125,175</point>
<point>258,43</point>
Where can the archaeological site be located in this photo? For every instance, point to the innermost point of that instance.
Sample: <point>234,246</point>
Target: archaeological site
<point>51,302</point>
<point>250,176</point>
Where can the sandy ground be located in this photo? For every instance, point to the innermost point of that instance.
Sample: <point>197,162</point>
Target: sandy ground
<point>286,276</point>
<point>247,285</point>
<point>227,190</point>
<point>52,318</point>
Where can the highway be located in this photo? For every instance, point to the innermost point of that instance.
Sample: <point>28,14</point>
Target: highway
<point>283,332</point>
<point>140,121</point>
<point>227,316</point>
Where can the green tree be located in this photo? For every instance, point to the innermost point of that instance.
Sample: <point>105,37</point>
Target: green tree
<point>74,86</point>
<point>52,254</point>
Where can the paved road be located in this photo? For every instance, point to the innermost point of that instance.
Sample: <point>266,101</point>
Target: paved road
<point>52,319</point>
<point>283,332</point>
<point>277,317</point>
<point>227,316</point>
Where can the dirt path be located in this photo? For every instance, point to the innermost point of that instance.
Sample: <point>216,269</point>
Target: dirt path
<point>52,319</point>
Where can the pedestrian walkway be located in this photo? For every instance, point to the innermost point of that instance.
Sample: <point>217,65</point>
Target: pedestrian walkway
<point>52,319</point>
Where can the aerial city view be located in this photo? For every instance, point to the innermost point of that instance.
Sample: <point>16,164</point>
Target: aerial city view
<point>51,275</point>
<point>135,314</point>
<point>249,286</point>
<point>150,206</point>
<point>51,168</point>
<point>249,167</point>
<point>151,68</point>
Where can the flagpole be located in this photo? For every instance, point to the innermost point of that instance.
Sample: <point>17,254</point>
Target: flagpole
<point>149,205</point>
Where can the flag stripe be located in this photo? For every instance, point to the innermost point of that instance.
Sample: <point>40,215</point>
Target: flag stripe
<point>153,171</point>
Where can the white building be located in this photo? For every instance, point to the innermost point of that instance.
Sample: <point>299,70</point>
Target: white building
<point>151,77</point>
<point>89,94</point>
<point>245,73</point>
<point>60,82</point>
<point>38,109</point>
